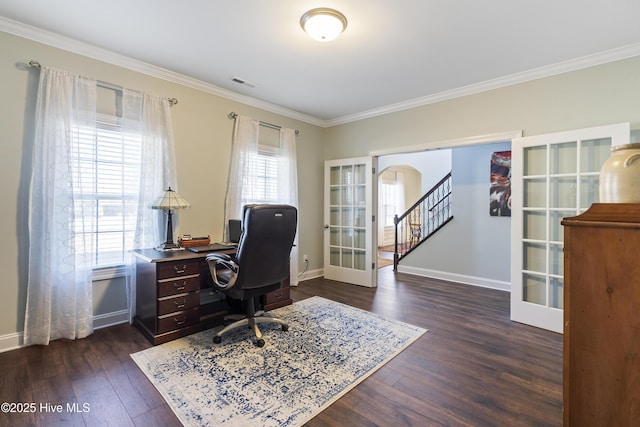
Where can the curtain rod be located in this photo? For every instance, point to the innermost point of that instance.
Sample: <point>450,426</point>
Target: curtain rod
<point>233,115</point>
<point>105,85</point>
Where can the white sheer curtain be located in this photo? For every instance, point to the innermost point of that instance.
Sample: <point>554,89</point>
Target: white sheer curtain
<point>246,148</point>
<point>150,117</point>
<point>288,187</point>
<point>59,290</point>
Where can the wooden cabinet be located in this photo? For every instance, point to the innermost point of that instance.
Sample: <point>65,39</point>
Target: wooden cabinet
<point>602,317</point>
<point>174,299</point>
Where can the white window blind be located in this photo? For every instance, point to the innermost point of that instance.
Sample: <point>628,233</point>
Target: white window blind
<point>263,170</point>
<point>106,169</point>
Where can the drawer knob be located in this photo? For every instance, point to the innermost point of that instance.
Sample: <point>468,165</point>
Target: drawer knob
<point>180,322</point>
<point>180,287</point>
<point>180,305</point>
<point>179,270</point>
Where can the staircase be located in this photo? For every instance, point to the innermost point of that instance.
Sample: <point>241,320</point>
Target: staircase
<point>423,219</point>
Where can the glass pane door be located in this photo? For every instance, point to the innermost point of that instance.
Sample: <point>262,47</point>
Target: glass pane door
<point>555,176</point>
<point>348,246</point>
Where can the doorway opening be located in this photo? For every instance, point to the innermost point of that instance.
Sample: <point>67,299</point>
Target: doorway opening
<point>403,179</point>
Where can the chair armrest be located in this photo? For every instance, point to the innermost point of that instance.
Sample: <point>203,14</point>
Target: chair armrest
<point>229,271</point>
<point>219,256</point>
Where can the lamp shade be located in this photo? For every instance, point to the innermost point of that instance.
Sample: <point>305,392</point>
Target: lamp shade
<point>170,200</point>
<point>323,24</point>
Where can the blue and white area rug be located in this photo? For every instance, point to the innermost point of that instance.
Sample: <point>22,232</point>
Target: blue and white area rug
<point>328,349</point>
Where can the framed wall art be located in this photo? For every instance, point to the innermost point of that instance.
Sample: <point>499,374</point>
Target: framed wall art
<point>500,188</point>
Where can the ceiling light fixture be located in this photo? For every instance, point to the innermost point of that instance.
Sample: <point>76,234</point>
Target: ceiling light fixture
<point>323,24</point>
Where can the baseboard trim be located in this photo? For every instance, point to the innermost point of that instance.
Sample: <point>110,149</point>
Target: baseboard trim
<point>15,341</point>
<point>457,278</point>
<point>11,341</point>
<point>110,319</point>
<point>311,274</point>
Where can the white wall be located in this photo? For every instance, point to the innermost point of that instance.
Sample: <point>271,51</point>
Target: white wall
<point>433,165</point>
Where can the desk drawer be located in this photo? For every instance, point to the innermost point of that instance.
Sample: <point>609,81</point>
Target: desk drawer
<point>178,302</point>
<point>178,286</point>
<point>167,270</point>
<point>178,320</point>
<point>278,295</point>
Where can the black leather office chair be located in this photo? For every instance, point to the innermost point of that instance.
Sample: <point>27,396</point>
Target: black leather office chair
<point>260,265</point>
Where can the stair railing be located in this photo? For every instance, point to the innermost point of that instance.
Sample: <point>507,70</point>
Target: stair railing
<point>423,219</point>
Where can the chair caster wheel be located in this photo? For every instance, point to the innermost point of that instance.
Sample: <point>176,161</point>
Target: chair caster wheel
<point>285,327</point>
<point>217,339</point>
<point>260,342</point>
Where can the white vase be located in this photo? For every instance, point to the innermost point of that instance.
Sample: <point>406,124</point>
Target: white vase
<point>620,175</point>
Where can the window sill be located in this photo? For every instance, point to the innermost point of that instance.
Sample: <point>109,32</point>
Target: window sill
<point>106,273</point>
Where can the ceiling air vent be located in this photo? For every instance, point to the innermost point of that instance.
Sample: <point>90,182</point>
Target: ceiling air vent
<point>242,82</point>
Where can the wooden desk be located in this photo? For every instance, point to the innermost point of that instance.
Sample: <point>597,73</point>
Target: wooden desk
<point>174,298</point>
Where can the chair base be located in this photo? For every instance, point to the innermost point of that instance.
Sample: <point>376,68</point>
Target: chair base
<point>251,322</point>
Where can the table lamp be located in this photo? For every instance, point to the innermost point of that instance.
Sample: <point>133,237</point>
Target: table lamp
<point>169,201</point>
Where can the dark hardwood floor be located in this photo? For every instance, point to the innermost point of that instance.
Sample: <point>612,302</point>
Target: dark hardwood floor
<point>474,367</point>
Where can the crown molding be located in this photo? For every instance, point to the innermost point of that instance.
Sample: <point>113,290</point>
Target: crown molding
<point>100,54</point>
<point>600,58</point>
<point>71,45</point>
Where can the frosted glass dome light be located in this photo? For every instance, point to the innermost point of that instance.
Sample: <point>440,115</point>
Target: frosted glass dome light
<point>323,24</point>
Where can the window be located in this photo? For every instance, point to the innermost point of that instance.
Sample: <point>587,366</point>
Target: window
<point>391,196</point>
<point>390,208</point>
<point>263,168</point>
<point>106,168</point>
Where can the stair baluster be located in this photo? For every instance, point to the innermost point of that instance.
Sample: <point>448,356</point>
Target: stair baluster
<point>423,219</point>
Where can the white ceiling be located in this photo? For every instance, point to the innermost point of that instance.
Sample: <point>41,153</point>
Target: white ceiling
<point>393,54</point>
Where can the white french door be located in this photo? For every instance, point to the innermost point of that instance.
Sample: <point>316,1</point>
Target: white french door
<point>348,216</point>
<point>553,176</point>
